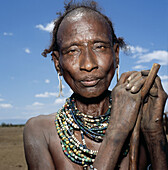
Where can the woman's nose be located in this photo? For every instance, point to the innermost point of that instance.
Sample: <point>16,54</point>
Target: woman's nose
<point>88,60</point>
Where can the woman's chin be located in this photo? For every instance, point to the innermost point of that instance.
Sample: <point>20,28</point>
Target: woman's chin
<point>91,93</point>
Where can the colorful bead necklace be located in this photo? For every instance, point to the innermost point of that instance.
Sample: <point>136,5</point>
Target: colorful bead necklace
<point>68,119</point>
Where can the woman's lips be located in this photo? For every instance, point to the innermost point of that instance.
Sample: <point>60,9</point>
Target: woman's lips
<point>89,83</point>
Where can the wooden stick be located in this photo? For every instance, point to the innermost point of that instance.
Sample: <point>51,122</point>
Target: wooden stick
<point>134,141</point>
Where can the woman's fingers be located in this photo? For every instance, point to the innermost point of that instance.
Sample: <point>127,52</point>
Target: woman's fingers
<point>135,82</point>
<point>132,76</point>
<point>138,85</point>
<point>124,77</point>
<point>154,90</point>
<point>145,72</point>
<point>160,90</point>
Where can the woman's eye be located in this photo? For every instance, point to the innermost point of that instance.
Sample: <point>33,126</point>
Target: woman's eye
<point>100,48</point>
<point>72,51</point>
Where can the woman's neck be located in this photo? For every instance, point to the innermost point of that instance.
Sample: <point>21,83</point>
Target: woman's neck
<point>93,106</point>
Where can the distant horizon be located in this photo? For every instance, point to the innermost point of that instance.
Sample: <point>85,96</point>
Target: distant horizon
<point>13,121</point>
<point>23,121</point>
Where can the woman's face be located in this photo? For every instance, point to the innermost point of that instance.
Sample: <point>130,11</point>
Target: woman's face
<point>86,55</point>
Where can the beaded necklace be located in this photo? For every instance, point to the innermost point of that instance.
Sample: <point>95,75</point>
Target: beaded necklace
<point>68,119</point>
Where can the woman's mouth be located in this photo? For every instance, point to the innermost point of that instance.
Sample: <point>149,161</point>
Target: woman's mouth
<point>89,83</point>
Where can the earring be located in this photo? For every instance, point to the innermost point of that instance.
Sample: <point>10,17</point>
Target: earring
<point>60,85</point>
<point>118,67</point>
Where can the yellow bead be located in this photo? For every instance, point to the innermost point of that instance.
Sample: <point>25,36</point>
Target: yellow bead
<point>67,146</point>
<point>75,150</point>
<point>71,146</point>
<point>82,155</point>
<point>67,142</point>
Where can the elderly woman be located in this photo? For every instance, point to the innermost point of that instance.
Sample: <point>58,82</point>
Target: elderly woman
<point>92,130</point>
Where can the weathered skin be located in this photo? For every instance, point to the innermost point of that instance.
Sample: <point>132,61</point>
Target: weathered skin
<point>87,60</point>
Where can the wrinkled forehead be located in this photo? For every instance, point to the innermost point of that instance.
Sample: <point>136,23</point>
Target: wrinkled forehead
<point>92,20</point>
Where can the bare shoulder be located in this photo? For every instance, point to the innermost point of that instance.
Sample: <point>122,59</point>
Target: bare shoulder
<point>39,127</point>
<point>40,121</point>
<point>36,138</point>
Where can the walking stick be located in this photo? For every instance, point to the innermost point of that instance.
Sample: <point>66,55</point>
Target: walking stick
<point>134,141</point>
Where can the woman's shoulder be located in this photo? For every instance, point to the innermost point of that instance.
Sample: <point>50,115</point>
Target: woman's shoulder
<point>39,124</point>
<point>40,120</point>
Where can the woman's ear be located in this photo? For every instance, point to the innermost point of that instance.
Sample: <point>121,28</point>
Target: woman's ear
<point>55,57</point>
<point>116,49</point>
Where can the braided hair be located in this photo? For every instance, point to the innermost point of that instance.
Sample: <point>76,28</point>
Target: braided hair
<point>70,6</point>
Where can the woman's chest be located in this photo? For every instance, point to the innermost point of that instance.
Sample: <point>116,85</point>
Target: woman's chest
<point>63,158</point>
<point>68,156</point>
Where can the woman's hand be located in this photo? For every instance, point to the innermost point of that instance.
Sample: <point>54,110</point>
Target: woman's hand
<point>152,124</point>
<point>126,98</point>
<point>153,107</point>
<point>154,103</point>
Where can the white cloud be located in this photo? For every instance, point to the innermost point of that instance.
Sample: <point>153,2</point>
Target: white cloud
<point>137,49</point>
<point>47,81</point>
<point>7,33</point>
<point>139,67</point>
<point>5,105</point>
<point>144,56</point>
<point>60,101</point>
<point>37,104</point>
<point>164,77</point>
<point>161,56</point>
<point>27,50</point>
<point>49,27</point>
<point>46,94</point>
<point>1,99</point>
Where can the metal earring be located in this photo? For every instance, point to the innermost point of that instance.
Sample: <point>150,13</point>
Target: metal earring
<point>60,85</point>
<point>118,67</point>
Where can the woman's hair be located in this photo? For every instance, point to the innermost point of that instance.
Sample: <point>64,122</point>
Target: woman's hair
<point>72,5</point>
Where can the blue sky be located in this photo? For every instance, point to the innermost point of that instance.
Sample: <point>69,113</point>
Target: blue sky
<point>28,82</point>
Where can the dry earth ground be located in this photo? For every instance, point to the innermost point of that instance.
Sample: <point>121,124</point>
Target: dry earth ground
<point>11,149</point>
